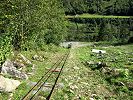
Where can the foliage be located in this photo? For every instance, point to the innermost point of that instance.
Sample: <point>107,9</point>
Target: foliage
<point>116,58</point>
<point>30,24</point>
<point>5,47</point>
<point>100,29</point>
<point>104,7</point>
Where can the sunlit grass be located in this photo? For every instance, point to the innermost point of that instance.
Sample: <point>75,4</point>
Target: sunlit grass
<point>96,16</point>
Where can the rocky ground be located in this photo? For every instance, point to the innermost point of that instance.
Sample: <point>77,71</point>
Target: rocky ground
<point>81,83</point>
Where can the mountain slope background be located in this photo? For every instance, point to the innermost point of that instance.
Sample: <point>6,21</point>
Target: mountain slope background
<point>104,7</point>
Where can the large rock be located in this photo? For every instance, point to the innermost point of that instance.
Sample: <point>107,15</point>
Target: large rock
<point>25,59</point>
<point>8,68</point>
<point>7,63</point>
<point>8,85</point>
<point>98,51</point>
<point>115,72</point>
<point>18,64</point>
<point>38,58</point>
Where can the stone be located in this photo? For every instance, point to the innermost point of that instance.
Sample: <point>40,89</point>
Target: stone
<point>18,64</point>
<point>8,85</point>
<point>117,72</point>
<point>98,51</point>
<point>106,70</point>
<point>76,68</point>
<point>25,59</point>
<point>7,63</point>
<point>92,99</point>
<point>101,64</point>
<point>35,57</point>
<point>90,63</point>
<point>10,96</point>
<point>73,87</point>
<point>8,68</point>
<point>56,70</point>
<point>60,85</point>
<point>129,85</point>
<point>38,58</point>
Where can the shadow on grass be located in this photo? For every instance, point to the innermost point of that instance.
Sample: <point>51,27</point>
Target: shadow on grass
<point>120,43</point>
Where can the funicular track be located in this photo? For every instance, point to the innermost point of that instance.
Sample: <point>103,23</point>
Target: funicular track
<point>38,86</point>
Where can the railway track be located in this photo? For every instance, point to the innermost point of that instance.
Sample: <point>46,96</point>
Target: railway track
<point>49,75</point>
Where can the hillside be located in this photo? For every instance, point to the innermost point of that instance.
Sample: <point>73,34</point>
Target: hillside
<point>96,16</point>
<point>66,50</point>
<point>103,7</point>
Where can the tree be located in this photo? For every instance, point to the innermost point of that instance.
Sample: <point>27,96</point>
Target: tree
<point>26,23</point>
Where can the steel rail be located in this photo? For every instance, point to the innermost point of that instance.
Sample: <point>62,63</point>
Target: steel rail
<point>38,83</point>
<point>48,97</point>
<point>47,78</point>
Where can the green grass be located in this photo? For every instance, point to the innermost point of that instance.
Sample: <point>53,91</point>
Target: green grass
<point>96,16</point>
<point>116,57</point>
<point>50,56</point>
<point>81,81</point>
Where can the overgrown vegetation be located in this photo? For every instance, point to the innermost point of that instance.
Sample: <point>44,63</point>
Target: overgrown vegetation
<point>37,27</point>
<point>104,7</point>
<point>27,24</point>
<point>116,68</point>
<point>100,29</point>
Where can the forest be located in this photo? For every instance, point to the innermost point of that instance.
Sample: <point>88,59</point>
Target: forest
<point>104,7</point>
<point>94,30</point>
<point>29,24</point>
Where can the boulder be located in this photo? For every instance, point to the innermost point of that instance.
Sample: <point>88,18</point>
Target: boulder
<point>25,59</point>
<point>8,68</point>
<point>14,72</point>
<point>98,51</point>
<point>37,58</point>
<point>8,85</point>
<point>101,64</point>
<point>7,63</point>
<point>18,64</point>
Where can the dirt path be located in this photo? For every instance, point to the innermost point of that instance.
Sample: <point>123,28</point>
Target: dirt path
<point>75,44</point>
<point>81,82</point>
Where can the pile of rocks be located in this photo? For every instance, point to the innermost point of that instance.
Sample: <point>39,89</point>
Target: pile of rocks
<point>9,68</point>
<point>95,65</point>
<point>14,69</point>
<point>38,58</point>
